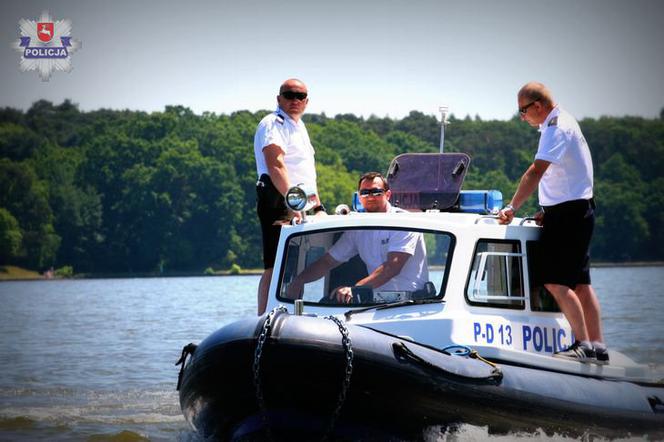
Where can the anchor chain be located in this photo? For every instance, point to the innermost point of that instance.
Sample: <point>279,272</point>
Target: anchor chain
<point>348,350</point>
<point>262,337</point>
<point>260,343</point>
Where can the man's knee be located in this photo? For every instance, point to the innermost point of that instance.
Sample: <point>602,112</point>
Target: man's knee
<point>583,289</point>
<point>586,293</point>
<point>558,290</point>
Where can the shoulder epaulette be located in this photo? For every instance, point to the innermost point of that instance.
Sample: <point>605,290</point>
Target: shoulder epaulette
<point>280,119</point>
<point>553,121</point>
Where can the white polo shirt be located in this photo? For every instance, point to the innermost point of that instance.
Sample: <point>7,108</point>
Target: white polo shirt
<point>570,174</point>
<point>373,247</point>
<point>280,129</point>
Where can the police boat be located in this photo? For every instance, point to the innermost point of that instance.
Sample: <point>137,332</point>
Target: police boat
<point>473,345</point>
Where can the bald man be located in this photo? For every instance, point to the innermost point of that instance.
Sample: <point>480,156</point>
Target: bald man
<point>284,158</point>
<point>563,174</point>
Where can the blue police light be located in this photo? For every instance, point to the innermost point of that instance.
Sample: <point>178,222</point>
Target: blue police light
<point>357,204</point>
<point>480,201</point>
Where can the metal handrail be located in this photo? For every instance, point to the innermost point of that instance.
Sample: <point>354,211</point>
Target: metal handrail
<point>528,218</point>
<point>486,217</point>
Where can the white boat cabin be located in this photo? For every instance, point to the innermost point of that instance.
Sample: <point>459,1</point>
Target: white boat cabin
<point>482,289</point>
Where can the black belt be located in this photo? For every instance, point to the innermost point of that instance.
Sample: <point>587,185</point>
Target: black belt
<point>568,206</point>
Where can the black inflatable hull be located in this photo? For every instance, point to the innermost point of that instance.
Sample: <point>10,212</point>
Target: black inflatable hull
<point>397,389</point>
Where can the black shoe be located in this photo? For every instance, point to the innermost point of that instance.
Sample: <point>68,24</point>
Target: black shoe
<point>577,353</point>
<point>602,355</point>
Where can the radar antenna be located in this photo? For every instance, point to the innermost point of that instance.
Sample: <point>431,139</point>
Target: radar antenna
<point>443,122</point>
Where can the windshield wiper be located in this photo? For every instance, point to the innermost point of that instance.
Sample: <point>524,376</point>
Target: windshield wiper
<point>349,313</point>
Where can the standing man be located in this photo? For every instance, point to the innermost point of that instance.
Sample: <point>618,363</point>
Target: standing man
<point>395,259</point>
<point>563,173</point>
<point>284,158</point>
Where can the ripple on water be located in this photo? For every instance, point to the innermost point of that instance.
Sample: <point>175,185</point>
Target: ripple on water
<point>16,423</point>
<point>95,358</point>
<point>122,436</point>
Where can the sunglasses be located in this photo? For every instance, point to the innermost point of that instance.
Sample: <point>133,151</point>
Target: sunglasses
<point>292,95</point>
<point>524,109</point>
<point>373,192</point>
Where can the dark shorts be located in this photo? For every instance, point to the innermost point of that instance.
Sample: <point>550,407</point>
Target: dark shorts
<point>566,233</point>
<point>270,207</point>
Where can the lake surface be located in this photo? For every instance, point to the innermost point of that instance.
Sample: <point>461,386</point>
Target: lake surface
<point>94,359</point>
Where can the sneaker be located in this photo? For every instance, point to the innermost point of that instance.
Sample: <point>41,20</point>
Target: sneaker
<point>577,353</point>
<point>602,355</point>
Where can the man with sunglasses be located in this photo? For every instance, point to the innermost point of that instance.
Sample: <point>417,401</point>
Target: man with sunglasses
<point>563,173</point>
<point>395,259</point>
<point>284,158</point>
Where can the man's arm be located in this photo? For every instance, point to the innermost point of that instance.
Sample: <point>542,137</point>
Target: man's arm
<point>276,167</point>
<point>312,273</point>
<point>383,273</point>
<point>529,182</point>
<point>386,271</point>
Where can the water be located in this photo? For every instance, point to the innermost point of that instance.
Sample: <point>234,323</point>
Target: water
<point>94,359</point>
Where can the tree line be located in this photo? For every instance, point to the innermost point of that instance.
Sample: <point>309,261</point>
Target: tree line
<point>110,191</point>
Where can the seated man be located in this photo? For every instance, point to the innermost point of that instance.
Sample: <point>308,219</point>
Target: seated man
<point>395,259</point>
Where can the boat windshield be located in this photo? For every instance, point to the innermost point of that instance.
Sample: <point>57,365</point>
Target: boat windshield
<point>365,266</point>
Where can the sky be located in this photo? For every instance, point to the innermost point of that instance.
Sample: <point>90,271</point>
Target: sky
<point>383,58</point>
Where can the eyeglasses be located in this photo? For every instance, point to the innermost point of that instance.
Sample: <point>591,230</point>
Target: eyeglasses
<point>373,192</point>
<point>292,95</point>
<point>524,109</point>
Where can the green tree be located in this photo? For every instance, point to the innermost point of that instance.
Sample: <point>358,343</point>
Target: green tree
<point>654,216</point>
<point>621,221</point>
<point>361,151</point>
<point>117,191</point>
<point>25,197</point>
<point>76,210</point>
<point>18,142</point>
<point>335,185</point>
<point>10,236</point>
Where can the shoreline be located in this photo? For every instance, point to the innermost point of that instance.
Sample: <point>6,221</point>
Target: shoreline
<point>12,273</point>
<point>19,274</point>
<point>628,264</point>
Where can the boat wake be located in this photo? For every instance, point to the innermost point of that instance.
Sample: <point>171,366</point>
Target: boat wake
<point>467,432</point>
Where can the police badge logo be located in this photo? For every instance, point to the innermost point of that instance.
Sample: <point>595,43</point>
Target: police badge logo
<point>45,45</point>
<point>45,31</point>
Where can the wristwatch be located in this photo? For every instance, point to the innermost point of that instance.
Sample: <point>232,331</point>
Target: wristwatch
<point>509,207</point>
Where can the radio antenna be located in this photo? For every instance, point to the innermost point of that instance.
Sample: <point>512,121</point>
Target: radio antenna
<point>443,122</point>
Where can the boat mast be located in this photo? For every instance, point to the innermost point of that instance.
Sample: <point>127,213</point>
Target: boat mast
<point>443,122</point>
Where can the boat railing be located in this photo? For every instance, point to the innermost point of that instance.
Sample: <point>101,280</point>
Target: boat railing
<point>486,217</point>
<point>528,219</point>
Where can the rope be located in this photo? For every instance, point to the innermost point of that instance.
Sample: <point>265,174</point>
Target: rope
<point>405,354</point>
<point>465,350</point>
<point>187,350</point>
<point>475,355</point>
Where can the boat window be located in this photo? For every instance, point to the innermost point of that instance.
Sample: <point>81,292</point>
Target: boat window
<point>540,298</point>
<point>496,278</point>
<point>341,267</point>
